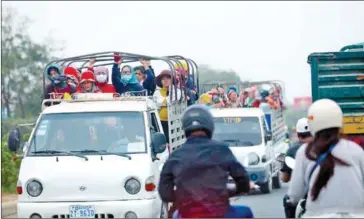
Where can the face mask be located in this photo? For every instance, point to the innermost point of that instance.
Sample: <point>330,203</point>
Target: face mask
<point>101,78</point>
<point>125,78</point>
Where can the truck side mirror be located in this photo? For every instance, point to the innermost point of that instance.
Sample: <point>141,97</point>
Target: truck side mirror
<point>159,142</point>
<point>14,140</point>
<point>268,136</point>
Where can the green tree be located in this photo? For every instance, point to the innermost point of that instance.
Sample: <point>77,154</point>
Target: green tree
<point>22,66</point>
<point>9,169</point>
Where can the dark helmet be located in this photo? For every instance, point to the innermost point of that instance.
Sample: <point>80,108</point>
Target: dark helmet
<point>198,117</point>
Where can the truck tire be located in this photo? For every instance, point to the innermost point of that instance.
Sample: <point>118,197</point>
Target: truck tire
<point>277,184</point>
<point>267,187</point>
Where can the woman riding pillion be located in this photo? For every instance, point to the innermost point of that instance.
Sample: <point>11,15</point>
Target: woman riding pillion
<point>199,170</point>
<point>304,136</point>
<point>330,170</point>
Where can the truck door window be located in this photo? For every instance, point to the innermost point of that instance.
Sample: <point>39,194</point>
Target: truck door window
<point>265,128</point>
<point>154,122</point>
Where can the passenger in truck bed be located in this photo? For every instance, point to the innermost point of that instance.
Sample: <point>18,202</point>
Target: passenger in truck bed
<point>162,97</point>
<point>124,80</point>
<point>58,83</point>
<point>101,77</point>
<point>145,76</point>
<point>73,76</point>
<point>88,83</point>
<point>233,98</point>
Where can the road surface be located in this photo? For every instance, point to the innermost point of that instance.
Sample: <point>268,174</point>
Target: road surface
<point>263,205</point>
<point>266,205</point>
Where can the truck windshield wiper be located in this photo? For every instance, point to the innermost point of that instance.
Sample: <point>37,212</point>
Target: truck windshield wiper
<point>104,152</point>
<point>238,142</point>
<point>59,152</point>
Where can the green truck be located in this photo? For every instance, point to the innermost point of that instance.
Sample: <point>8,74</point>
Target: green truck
<point>339,76</point>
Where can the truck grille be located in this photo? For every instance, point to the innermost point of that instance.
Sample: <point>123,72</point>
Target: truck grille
<point>96,216</point>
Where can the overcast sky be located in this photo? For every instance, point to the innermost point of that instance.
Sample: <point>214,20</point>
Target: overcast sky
<point>259,40</point>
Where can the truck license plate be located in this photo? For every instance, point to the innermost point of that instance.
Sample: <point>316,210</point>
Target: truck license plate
<point>82,211</point>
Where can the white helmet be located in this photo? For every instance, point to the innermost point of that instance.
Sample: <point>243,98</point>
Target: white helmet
<point>302,125</point>
<point>324,114</point>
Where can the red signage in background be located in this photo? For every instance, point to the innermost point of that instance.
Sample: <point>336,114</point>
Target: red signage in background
<point>302,103</point>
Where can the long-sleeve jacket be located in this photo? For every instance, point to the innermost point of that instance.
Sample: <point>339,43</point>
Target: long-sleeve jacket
<point>148,82</point>
<point>344,191</point>
<point>199,170</point>
<point>120,87</point>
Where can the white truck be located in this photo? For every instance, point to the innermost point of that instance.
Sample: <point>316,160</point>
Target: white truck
<point>96,156</point>
<point>256,138</point>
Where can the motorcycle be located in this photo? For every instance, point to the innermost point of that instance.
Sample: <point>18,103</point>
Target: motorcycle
<point>301,206</point>
<point>232,188</point>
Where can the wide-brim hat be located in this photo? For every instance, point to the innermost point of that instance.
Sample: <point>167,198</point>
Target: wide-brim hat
<point>165,73</point>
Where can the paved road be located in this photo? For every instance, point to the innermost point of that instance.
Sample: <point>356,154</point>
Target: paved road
<point>263,205</point>
<point>266,205</point>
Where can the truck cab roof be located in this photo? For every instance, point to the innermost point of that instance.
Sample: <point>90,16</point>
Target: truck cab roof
<point>101,103</point>
<point>229,112</point>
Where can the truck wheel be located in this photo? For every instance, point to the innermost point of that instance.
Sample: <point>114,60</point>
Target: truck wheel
<point>277,184</point>
<point>267,187</point>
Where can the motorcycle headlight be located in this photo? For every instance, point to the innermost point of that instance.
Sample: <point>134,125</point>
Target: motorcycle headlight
<point>34,188</point>
<point>251,159</point>
<point>132,186</point>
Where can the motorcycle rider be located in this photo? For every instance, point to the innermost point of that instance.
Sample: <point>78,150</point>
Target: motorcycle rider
<point>199,170</point>
<point>304,136</point>
<point>330,169</point>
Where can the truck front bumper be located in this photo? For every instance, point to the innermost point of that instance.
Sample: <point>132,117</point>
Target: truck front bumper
<point>147,208</point>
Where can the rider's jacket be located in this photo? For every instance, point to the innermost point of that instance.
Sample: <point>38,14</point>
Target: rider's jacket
<point>291,152</point>
<point>199,170</point>
<point>344,191</point>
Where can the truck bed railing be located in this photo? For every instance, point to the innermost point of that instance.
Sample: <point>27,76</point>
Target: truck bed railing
<point>107,59</point>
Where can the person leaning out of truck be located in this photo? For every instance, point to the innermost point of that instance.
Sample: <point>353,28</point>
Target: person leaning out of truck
<point>162,97</point>
<point>145,76</point>
<point>336,183</point>
<point>124,80</point>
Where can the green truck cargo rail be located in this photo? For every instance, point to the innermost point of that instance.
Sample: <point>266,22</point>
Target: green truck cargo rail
<point>340,76</point>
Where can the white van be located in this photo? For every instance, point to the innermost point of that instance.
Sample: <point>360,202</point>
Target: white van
<point>251,141</point>
<point>93,159</point>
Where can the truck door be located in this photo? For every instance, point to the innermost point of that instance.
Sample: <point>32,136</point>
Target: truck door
<point>269,151</point>
<point>156,126</point>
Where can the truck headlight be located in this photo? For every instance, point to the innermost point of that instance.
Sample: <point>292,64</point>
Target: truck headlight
<point>251,159</point>
<point>34,188</point>
<point>132,186</point>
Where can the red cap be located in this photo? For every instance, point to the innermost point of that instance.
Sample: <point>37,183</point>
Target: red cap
<point>87,76</point>
<point>71,71</point>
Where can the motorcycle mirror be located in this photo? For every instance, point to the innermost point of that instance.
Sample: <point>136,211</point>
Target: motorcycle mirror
<point>281,157</point>
<point>291,162</point>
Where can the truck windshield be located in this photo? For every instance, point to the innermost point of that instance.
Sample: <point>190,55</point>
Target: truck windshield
<point>238,131</point>
<point>89,133</point>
